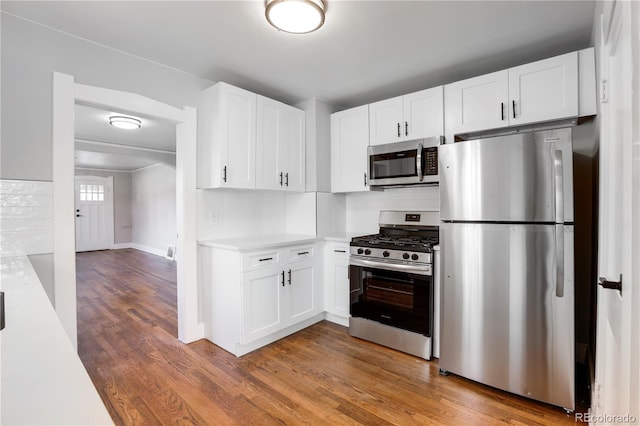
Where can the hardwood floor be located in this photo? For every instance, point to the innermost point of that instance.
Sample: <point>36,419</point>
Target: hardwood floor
<point>127,328</point>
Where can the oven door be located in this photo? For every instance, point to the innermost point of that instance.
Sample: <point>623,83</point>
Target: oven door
<point>396,298</point>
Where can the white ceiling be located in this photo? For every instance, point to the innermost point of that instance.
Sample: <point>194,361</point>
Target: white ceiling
<point>366,51</point>
<point>93,124</point>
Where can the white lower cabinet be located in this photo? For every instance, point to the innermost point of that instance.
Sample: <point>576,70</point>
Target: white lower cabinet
<point>254,298</point>
<point>336,282</point>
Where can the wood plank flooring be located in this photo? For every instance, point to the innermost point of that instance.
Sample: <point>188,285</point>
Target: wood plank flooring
<point>127,328</point>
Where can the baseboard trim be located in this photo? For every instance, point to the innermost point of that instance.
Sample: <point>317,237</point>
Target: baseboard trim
<point>147,249</point>
<point>121,246</point>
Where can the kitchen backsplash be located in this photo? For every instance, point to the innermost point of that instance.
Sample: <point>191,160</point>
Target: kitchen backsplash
<point>228,213</point>
<point>363,208</point>
<point>26,217</point>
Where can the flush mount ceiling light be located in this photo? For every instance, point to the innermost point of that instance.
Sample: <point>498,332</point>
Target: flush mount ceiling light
<point>295,16</point>
<point>123,122</point>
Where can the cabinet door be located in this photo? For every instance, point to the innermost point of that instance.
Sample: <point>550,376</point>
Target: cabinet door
<point>301,289</point>
<point>423,114</point>
<point>349,142</point>
<point>238,137</point>
<point>386,121</point>
<point>294,153</point>
<point>270,153</point>
<point>544,90</point>
<point>262,303</point>
<point>479,103</point>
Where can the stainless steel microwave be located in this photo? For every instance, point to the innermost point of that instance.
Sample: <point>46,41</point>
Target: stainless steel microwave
<point>412,162</point>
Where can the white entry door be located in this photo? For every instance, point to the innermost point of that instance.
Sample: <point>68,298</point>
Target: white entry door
<point>94,213</point>
<point>616,397</point>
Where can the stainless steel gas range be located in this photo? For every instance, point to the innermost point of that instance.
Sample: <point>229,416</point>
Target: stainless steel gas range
<point>391,281</point>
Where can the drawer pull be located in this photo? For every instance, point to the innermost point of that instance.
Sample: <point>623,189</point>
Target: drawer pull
<point>304,252</point>
<point>266,258</point>
<point>340,251</point>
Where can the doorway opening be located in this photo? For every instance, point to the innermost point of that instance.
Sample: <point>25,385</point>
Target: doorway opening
<point>66,94</point>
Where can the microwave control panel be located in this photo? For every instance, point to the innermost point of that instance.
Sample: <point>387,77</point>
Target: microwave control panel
<point>431,161</point>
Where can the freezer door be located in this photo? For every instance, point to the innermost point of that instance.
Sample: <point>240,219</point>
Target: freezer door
<point>526,177</point>
<point>504,321</point>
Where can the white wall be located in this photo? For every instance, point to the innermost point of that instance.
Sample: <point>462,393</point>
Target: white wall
<point>153,208</point>
<point>121,202</point>
<point>363,208</point>
<point>31,53</point>
<point>318,144</point>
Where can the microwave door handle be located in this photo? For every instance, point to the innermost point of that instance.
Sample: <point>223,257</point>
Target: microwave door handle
<point>419,162</point>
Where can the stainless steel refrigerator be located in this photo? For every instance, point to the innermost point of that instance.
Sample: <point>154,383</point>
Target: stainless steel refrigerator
<point>507,232</point>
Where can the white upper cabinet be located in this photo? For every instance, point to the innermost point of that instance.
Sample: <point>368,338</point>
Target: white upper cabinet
<point>476,104</point>
<point>544,90</point>
<point>349,142</point>
<point>413,116</point>
<point>531,93</point>
<point>280,146</point>
<point>227,139</point>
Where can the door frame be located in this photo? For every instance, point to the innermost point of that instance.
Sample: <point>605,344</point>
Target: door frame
<point>108,199</point>
<point>66,93</point>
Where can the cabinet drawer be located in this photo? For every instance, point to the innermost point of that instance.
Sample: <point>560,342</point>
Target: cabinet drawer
<point>338,250</point>
<point>259,259</point>
<point>294,254</point>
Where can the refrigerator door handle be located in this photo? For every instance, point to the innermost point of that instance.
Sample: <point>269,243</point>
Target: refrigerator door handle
<point>559,260</point>
<point>558,168</point>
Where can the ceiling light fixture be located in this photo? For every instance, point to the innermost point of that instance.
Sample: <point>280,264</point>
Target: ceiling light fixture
<point>123,122</point>
<point>295,16</point>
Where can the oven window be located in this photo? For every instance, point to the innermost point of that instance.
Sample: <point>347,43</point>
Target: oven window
<point>392,165</point>
<point>388,292</point>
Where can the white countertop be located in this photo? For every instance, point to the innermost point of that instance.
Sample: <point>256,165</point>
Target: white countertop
<point>259,242</point>
<point>42,379</point>
<point>346,237</point>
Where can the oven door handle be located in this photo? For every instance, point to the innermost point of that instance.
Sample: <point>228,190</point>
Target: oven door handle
<point>390,266</point>
<point>419,161</point>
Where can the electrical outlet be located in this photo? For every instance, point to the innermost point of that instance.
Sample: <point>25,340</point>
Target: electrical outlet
<point>213,218</point>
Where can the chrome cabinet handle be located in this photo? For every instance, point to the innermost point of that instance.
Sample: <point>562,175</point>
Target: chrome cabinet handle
<point>502,111</point>
<point>406,128</point>
<point>224,174</point>
<point>280,178</point>
<point>398,129</point>
<point>303,253</point>
<point>286,179</point>
<point>365,179</point>
<point>265,259</point>
<point>289,276</point>
<point>340,251</point>
<point>513,104</point>
<point>282,278</point>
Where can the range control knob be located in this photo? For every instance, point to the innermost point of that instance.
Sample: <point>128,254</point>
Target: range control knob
<point>414,256</point>
<point>367,252</point>
<point>405,256</point>
<point>385,253</point>
<point>360,251</point>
